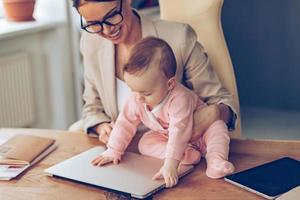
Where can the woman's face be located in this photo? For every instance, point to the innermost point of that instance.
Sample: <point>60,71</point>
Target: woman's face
<point>97,11</point>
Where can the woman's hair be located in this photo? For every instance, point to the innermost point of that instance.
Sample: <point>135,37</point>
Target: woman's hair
<point>145,51</point>
<point>76,3</point>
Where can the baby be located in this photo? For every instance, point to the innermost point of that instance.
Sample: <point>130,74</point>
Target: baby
<point>166,107</point>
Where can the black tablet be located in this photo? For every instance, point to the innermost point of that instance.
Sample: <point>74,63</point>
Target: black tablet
<point>270,179</point>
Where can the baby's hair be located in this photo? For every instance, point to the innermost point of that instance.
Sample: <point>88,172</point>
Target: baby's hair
<point>143,53</point>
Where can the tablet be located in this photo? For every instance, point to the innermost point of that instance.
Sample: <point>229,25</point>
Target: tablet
<point>269,180</point>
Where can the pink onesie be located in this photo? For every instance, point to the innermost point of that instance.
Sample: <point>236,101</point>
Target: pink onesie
<point>170,125</point>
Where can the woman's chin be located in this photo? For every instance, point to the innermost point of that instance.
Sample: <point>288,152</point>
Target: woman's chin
<point>116,41</point>
<point>116,38</point>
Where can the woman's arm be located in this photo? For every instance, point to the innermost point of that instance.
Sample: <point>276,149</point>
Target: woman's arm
<point>200,77</point>
<point>93,112</point>
<point>205,116</point>
<point>225,113</point>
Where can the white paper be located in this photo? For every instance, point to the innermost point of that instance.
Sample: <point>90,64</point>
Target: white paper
<point>8,172</point>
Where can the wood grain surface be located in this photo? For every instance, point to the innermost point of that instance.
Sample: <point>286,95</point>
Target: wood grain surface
<point>35,184</point>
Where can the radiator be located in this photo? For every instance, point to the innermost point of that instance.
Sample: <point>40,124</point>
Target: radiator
<point>16,91</point>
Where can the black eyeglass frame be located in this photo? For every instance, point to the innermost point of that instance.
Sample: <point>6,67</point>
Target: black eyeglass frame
<point>104,21</point>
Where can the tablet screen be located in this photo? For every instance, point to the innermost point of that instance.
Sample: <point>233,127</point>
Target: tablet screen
<point>270,179</point>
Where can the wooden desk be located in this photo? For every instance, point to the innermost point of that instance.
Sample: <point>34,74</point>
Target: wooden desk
<point>35,184</point>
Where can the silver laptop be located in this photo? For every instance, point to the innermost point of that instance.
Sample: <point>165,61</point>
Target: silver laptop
<point>133,175</point>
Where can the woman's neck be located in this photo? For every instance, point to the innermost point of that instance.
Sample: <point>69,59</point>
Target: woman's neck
<point>135,33</point>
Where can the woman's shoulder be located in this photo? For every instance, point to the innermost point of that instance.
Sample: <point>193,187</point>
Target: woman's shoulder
<point>169,24</point>
<point>180,32</point>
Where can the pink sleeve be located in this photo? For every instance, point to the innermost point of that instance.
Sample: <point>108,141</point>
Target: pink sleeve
<point>123,130</point>
<point>181,111</point>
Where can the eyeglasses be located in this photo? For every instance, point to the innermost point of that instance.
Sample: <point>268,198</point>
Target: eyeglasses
<point>112,19</point>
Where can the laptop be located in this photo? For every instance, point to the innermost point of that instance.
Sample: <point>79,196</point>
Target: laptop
<point>269,180</point>
<point>133,175</point>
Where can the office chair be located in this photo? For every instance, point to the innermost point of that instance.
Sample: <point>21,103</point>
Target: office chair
<point>204,16</point>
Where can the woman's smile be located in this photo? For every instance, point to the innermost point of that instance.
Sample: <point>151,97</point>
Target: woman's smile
<point>115,35</point>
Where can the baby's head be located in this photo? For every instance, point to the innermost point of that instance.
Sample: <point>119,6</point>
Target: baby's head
<point>150,70</point>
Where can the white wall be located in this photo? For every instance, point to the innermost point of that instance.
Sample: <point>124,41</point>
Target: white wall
<point>54,10</point>
<point>54,63</point>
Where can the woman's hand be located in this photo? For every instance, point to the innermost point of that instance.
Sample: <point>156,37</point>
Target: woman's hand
<point>104,131</point>
<point>168,172</point>
<point>203,118</point>
<point>103,160</point>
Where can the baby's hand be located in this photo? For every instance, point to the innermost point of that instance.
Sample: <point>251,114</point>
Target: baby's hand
<point>103,160</point>
<point>169,172</point>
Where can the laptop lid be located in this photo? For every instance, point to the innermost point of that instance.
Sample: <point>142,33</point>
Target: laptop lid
<point>132,175</point>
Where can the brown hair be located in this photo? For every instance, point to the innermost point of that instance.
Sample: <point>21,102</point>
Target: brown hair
<point>76,3</point>
<point>143,53</point>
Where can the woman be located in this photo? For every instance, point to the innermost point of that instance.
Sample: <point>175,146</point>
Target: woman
<point>111,29</point>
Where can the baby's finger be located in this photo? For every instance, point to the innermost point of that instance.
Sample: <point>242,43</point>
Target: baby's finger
<point>176,180</point>
<point>157,176</point>
<point>96,159</point>
<point>104,161</point>
<point>173,181</point>
<point>116,161</point>
<point>168,182</point>
<point>99,160</point>
<point>95,162</point>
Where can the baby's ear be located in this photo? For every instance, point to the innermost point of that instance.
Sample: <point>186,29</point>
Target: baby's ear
<point>171,83</point>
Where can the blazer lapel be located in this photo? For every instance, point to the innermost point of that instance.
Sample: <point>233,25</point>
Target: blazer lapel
<point>107,56</point>
<point>148,28</point>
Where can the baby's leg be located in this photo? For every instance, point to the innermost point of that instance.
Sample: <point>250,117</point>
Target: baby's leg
<point>154,144</point>
<point>217,149</point>
<point>191,156</point>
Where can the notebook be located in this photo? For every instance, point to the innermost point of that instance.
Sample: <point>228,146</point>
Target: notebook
<point>269,180</point>
<point>133,175</point>
<point>22,151</point>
